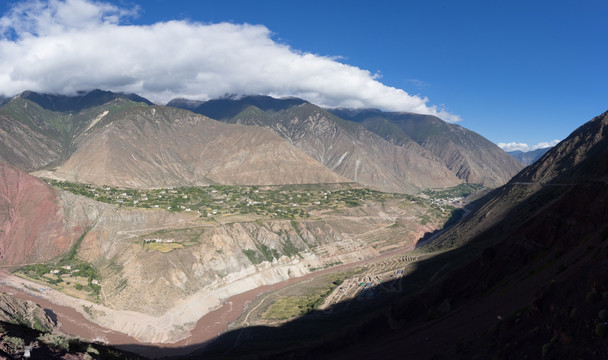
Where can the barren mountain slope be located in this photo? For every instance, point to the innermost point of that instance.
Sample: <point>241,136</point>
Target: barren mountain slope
<point>39,130</point>
<point>154,146</point>
<point>33,223</point>
<point>344,147</point>
<point>581,156</point>
<point>470,156</point>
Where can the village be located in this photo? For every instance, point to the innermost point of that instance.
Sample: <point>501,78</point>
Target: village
<point>286,202</point>
<point>79,279</point>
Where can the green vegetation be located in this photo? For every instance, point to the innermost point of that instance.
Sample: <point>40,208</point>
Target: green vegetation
<point>171,239</point>
<point>286,307</point>
<point>601,329</point>
<point>67,274</point>
<point>15,344</point>
<point>459,191</point>
<point>283,202</point>
<point>71,254</point>
<point>56,342</point>
<point>253,256</point>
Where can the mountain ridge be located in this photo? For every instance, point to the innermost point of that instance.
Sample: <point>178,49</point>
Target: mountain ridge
<point>467,154</point>
<point>528,157</point>
<point>343,146</point>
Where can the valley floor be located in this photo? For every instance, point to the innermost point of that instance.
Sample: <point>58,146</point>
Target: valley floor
<point>74,323</point>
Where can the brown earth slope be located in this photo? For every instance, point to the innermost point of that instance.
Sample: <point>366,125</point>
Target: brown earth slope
<point>155,146</point>
<point>467,154</point>
<point>343,146</point>
<point>39,130</point>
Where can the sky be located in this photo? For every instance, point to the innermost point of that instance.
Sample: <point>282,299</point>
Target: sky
<point>523,74</point>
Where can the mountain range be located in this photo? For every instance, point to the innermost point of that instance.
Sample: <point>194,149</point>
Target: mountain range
<point>391,151</point>
<point>101,137</point>
<point>521,275</point>
<point>528,157</point>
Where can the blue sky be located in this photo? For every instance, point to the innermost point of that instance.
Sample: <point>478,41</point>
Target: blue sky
<point>521,72</point>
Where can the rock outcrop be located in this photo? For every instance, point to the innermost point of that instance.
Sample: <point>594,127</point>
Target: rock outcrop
<point>26,313</point>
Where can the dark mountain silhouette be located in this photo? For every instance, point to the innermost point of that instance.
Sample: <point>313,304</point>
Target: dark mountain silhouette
<point>227,108</point>
<point>83,100</point>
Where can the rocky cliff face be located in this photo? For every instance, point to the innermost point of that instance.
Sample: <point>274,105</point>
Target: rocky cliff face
<point>26,313</point>
<point>581,156</point>
<point>219,254</point>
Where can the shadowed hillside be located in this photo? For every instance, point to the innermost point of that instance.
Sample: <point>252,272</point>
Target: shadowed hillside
<point>524,276</point>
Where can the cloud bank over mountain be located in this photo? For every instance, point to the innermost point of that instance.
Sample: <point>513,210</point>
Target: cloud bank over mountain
<point>62,46</point>
<point>514,146</point>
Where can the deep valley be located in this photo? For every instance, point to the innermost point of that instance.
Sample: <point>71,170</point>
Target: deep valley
<point>274,228</point>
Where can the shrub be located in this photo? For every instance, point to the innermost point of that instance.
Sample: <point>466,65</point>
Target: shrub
<point>15,344</point>
<point>601,329</point>
<point>55,341</point>
<point>603,315</point>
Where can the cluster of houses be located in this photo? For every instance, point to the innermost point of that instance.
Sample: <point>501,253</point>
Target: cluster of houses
<point>68,268</point>
<point>157,240</point>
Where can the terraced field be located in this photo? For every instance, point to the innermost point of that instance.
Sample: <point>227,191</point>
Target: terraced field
<point>379,277</point>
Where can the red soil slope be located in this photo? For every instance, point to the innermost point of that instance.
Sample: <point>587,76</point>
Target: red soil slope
<point>32,225</point>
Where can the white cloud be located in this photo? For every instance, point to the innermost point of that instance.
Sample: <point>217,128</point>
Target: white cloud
<point>62,46</point>
<point>513,146</point>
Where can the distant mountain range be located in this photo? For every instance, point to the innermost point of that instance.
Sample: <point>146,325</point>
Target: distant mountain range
<point>528,157</point>
<point>123,140</point>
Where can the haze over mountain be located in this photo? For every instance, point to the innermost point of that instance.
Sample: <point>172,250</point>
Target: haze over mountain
<point>528,157</point>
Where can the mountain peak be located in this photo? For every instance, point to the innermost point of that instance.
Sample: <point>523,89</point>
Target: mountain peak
<point>82,100</point>
<point>228,107</point>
